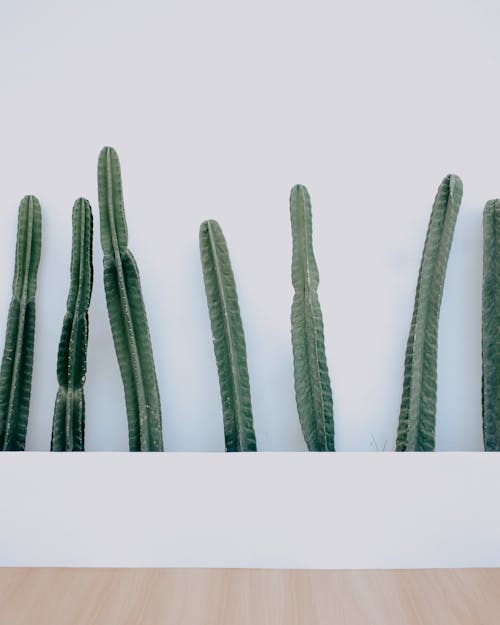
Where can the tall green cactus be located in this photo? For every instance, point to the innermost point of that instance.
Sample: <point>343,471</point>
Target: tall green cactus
<point>417,417</point>
<point>228,339</point>
<point>69,413</point>
<point>17,361</point>
<point>313,391</point>
<point>127,313</point>
<point>491,326</point>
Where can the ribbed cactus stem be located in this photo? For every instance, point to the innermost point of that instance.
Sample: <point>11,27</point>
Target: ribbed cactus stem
<point>312,382</point>
<point>68,427</point>
<point>17,362</point>
<point>491,326</point>
<point>228,339</point>
<point>417,419</point>
<point>127,313</point>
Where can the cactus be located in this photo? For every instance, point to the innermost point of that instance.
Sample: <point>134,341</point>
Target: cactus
<point>312,383</point>
<point>17,361</point>
<point>491,326</point>
<point>228,339</point>
<point>418,405</point>
<point>69,412</point>
<point>127,313</point>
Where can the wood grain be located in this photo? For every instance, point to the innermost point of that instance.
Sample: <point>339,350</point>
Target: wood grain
<point>44,596</point>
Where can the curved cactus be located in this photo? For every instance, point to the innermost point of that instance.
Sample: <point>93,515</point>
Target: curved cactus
<point>69,412</point>
<point>17,361</point>
<point>312,383</point>
<point>228,339</point>
<point>127,313</point>
<point>418,405</point>
<point>491,326</point>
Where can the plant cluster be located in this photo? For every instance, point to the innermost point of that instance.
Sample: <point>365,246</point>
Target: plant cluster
<point>132,341</point>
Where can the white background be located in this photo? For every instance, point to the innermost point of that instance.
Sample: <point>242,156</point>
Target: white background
<point>271,510</point>
<point>216,110</point>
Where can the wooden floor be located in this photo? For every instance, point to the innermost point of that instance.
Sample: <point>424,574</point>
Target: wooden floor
<point>244,597</point>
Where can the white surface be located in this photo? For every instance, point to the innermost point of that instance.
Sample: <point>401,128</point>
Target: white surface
<point>216,110</point>
<point>250,510</point>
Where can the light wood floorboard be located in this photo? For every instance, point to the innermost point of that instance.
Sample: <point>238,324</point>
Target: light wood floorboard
<point>43,596</point>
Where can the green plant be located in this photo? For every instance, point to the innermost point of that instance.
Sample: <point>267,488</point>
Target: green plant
<point>228,339</point>
<point>17,361</point>
<point>127,313</point>
<point>69,412</point>
<point>491,326</point>
<point>312,383</point>
<point>418,405</point>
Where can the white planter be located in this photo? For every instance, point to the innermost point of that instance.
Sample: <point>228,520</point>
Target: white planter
<point>278,510</point>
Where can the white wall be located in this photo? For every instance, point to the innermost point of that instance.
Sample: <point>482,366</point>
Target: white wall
<point>216,110</point>
<point>250,510</point>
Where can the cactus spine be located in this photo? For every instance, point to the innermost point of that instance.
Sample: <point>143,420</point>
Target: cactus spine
<point>127,313</point>
<point>491,326</point>
<point>17,362</point>
<point>69,413</point>
<point>228,339</point>
<point>416,431</point>
<point>313,391</point>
